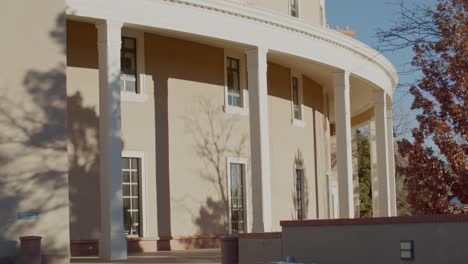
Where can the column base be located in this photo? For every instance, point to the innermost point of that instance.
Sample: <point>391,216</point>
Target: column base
<point>164,243</point>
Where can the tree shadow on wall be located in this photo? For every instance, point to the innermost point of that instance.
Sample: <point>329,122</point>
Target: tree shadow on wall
<point>299,163</point>
<point>33,168</point>
<point>34,165</point>
<point>33,160</point>
<point>214,141</point>
<point>83,157</point>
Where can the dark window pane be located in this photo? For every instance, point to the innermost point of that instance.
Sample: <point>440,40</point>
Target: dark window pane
<point>126,204</point>
<point>126,190</point>
<point>129,63</point>
<point>135,191</point>
<point>135,164</point>
<point>233,82</point>
<point>237,197</point>
<point>126,176</point>
<point>125,163</point>
<point>135,176</point>
<point>299,194</point>
<point>295,95</point>
<point>127,222</point>
<point>136,218</point>
<point>135,204</point>
<point>128,43</point>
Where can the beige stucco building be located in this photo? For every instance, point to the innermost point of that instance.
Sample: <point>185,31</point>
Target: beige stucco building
<point>162,124</point>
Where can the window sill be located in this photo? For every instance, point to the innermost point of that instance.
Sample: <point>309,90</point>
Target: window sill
<point>133,97</point>
<point>236,110</point>
<point>298,123</point>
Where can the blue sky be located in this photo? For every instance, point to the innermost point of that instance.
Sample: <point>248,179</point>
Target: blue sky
<point>365,17</point>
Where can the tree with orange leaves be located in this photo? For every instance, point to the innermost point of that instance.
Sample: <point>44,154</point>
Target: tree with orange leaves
<point>437,156</point>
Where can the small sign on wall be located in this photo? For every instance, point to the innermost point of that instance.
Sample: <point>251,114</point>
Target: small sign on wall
<point>407,250</point>
<point>28,215</point>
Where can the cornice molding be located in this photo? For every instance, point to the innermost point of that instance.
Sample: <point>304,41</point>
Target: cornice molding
<point>284,22</point>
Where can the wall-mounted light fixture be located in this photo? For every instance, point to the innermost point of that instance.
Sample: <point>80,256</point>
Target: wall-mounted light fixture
<point>407,249</point>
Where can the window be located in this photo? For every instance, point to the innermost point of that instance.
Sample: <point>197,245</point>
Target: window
<point>233,82</point>
<point>237,201</point>
<point>296,98</point>
<point>294,7</point>
<point>131,175</point>
<point>129,78</point>
<point>299,193</point>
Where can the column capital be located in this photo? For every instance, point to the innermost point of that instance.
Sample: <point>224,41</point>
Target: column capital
<point>380,97</point>
<point>255,50</point>
<point>260,55</point>
<point>341,79</point>
<point>342,73</point>
<point>109,32</point>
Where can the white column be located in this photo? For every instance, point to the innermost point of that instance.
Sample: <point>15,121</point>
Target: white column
<point>391,162</point>
<point>382,153</point>
<point>259,139</point>
<point>373,164</point>
<point>327,151</point>
<point>112,244</point>
<point>343,144</point>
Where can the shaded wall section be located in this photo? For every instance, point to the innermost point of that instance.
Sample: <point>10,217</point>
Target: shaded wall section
<point>33,125</point>
<point>290,144</point>
<point>83,130</point>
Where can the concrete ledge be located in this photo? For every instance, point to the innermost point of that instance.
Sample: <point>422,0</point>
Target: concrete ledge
<point>260,247</point>
<point>380,220</point>
<point>195,242</point>
<point>82,248</point>
<point>45,259</point>
<point>271,235</point>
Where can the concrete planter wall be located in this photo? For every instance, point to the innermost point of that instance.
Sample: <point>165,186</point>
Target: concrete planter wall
<point>436,239</point>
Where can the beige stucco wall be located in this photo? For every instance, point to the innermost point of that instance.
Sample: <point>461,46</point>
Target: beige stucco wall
<point>187,138</point>
<point>33,121</point>
<point>309,10</point>
<point>190,89</point>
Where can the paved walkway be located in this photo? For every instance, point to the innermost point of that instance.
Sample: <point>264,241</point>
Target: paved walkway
<point>206,256</point>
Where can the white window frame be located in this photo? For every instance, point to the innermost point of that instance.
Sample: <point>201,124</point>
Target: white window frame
<point>298,9</point>
<point>143,212</point>
<point>297,122</point>
<point>141,96</point>
<point>247,191</point>
<point>230,109</point>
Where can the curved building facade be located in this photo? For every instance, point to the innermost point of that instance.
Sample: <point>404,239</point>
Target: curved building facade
<point>198,118</point>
